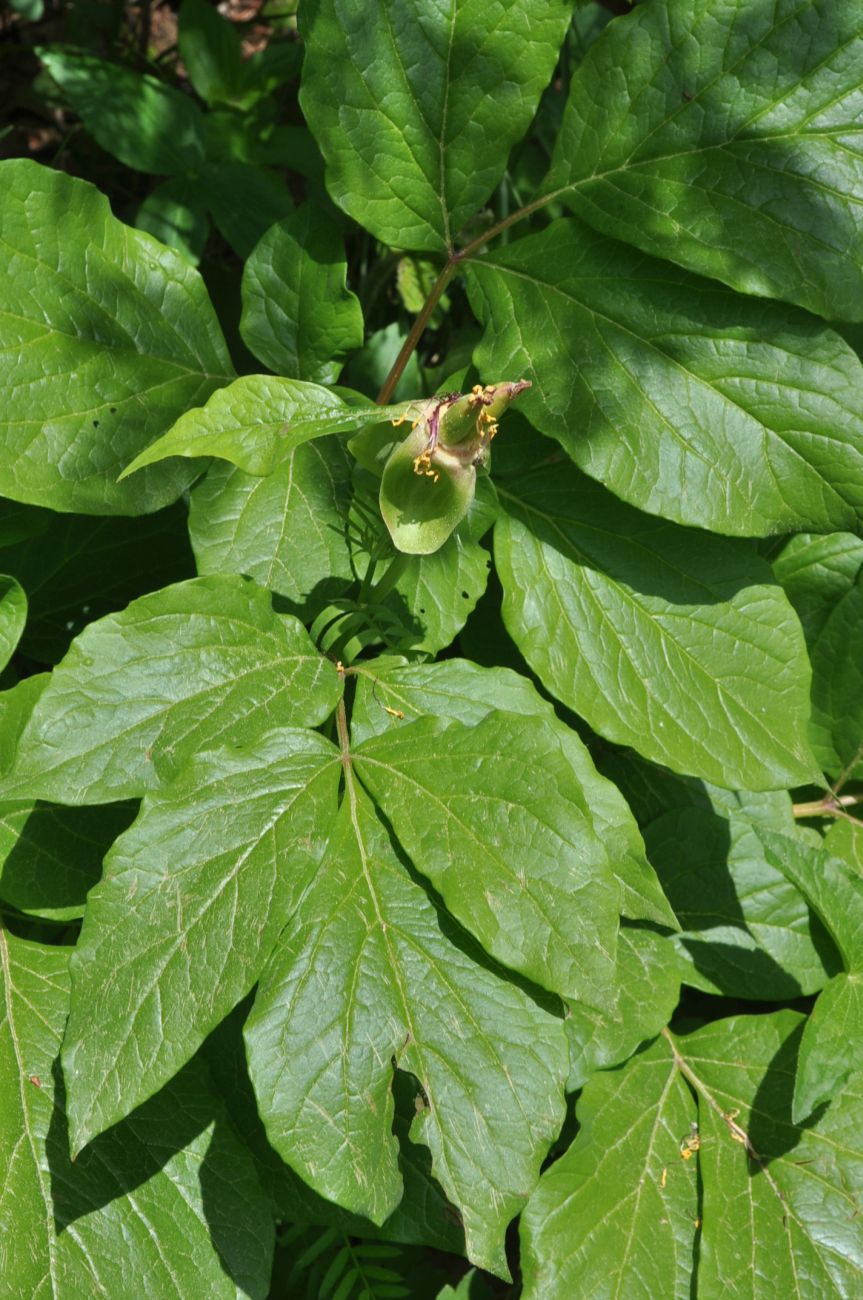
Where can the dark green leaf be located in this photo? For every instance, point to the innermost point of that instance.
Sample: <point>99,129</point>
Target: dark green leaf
<point>681,397</point>
<point>725,136</point>
<point>416,112</point>
<point>109,350</point>
<point>175,213</point>
<point>244,201</point>
<point>144,122</point>
<point>298,316</point>
<point>669,640</point>
<point>210,48</point>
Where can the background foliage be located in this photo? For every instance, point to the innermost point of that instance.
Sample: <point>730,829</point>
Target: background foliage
<point>482,918</point>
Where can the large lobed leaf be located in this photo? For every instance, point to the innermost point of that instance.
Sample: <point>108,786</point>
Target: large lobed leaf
<point>111,336</point>
<point>725,135</point>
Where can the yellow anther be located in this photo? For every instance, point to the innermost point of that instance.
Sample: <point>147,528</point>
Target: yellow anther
<point>400,420</point>
<point>423,465</point>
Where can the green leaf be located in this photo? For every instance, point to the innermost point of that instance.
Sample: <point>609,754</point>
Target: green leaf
<point>391,693</point>
<point>144,122</point>
<point>287,530</point>
<point>298,316</point>
<point>244,201</point>
<point>831,886</point>
<point>13,616</point>
<point>646,992</point>
<point>415,113</point>
<point>489,814</point>
<point>175,213</point>
<point>614,1215</point>
<point>109,350</point>
<point>781,1221</point>
<point>665,639</point>
<point>257,421</point>
<point>831,1049</point>
<point>367,972</point>
<point>80,567</point>
<point>815,573</point>
<point>170,1195</point>
<point>747,929</point>
<point>726,138</point>
<point>836,728</point>
<point>832,1045</point>
<point>845,840</point>
<point>50,856</point>
<point>681,397</point>
<point>192,901</point>
<point>196,665</point>
<point>209,46</point>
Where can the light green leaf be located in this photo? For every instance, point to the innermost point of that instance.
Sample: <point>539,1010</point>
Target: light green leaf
<point>491,814</point>
<point>287,530</point>
<point>415,113</point>
<point>192,901</point>
<point>13,615</point>
<point>257,421</point>
<point>147,124</point>
<point>645,995</point>
<point>196,665</point>
<point>298,316</point>
<point>831,1049</point>
<point>367,972</point>
<point>108,351</point>
<point>815,573</point>
<point>747,929</point>
<point>726,137</point>
<point>170,1195</point>
<point>836,728</point>
<point>392,693</point>
<point>614,1215</point>
<point>683,398</point>
<point>780,1218</point>
<point>669,640</point>
<point>51,856</point>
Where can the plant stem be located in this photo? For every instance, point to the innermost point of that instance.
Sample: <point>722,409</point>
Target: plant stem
<point>342,730</point>
<point>832,805</point>
<point>456,257</point>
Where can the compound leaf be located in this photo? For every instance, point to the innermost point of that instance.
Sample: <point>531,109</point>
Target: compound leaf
<point>368,974</point>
